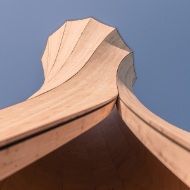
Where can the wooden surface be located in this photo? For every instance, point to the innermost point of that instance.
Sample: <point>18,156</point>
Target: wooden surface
<point>80,79</point>
<point>17,156</point>
<point>87,68</point>
<point>168,143</point>
<point>86,81</point>
<point>107,157</point>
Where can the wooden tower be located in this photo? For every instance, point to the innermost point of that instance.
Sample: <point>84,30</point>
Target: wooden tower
<point>84,128</point>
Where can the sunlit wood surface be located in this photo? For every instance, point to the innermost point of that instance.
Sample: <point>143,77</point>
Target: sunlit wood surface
<point>88,70</point>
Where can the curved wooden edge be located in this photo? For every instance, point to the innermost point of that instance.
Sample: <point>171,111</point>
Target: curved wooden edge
<point>63,102</point>
<point>168,143</point>
<point>85,80</point>
<point>79,92</point>
<point>16,156</point>
<point>106,157</point>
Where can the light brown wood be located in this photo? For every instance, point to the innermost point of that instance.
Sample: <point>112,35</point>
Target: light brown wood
<point>87,67</point>
<point>171,145</point>
<point>107,156</point>
<point>96,82</point>
<point>82,83</point>
<point>71,36</point>
<point>79,52</point>
<point>22,153</point>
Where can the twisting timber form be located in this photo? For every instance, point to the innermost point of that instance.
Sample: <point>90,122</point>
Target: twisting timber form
<point>68,135</point>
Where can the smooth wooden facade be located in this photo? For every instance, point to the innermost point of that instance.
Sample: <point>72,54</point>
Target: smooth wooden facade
<point>88,68</point>
<point>106,157</point>
<point>170,144</point>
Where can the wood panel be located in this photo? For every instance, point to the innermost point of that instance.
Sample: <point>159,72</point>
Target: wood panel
<point>107,156</point>
<point>82,92</point>
<point>80,89</point>
<point>70,38</point>
<point>16,156</point>
<point>54,43</point>
<point>82,51</point>
<point>96,82</point>
<point>168,143</point>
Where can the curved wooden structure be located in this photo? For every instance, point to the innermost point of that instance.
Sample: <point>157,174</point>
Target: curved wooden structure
<point>88,68</point>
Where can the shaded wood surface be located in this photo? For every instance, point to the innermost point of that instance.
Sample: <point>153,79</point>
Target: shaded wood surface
<point>106,157</point>
<point>170,144</point>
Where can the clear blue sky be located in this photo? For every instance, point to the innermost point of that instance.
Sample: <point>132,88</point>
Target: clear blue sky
<point>157,31</point>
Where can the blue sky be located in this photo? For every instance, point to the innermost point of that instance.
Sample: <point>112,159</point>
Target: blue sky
<point>157,31</point>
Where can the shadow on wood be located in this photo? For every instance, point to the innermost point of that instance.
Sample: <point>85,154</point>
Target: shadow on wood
<point>106,157</point>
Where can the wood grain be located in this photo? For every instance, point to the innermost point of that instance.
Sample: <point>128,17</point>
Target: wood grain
<point>16,156</point>
<point>108,156</point>
<point>168,143</point>
<point>87,67</point>
<point>78,82</point>
<point>96,82</point>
